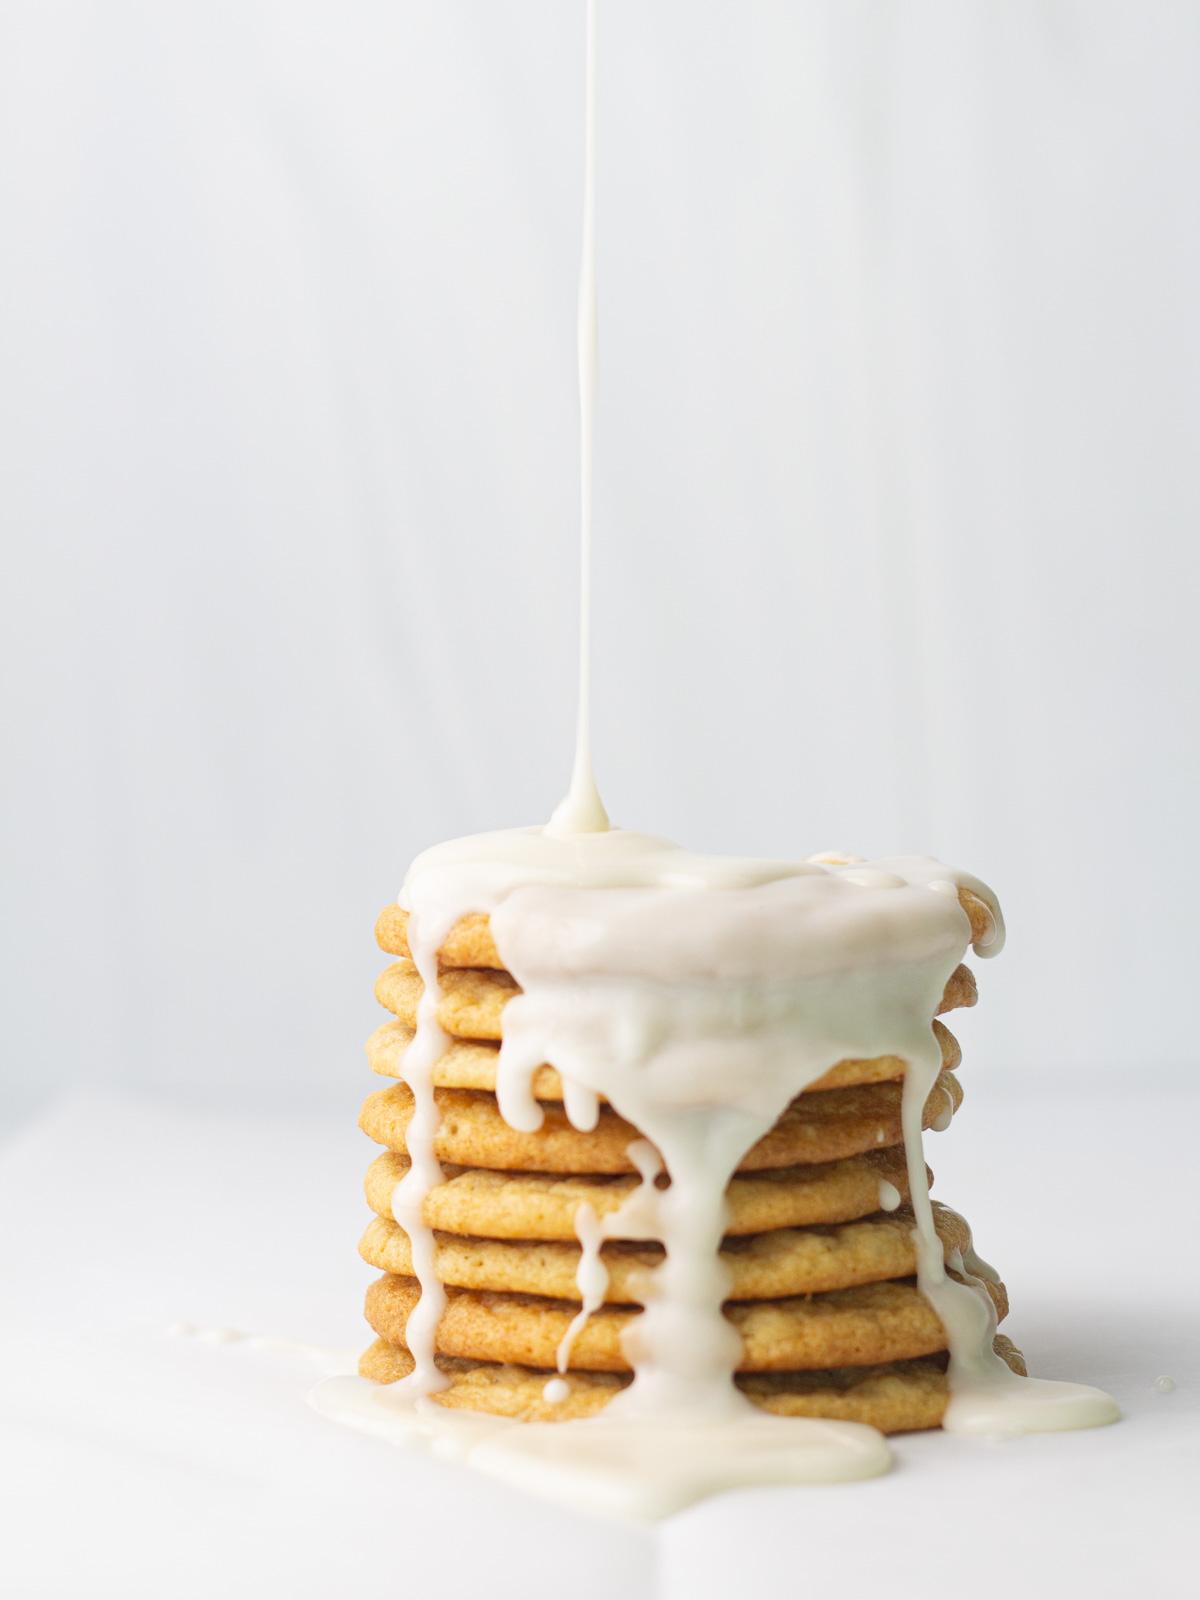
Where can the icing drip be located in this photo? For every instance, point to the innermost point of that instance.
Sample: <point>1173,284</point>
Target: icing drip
<point>643,1471</point>
<point>700,1017</point>
<point>986,1396</point>
<point>945,1116</point>
<point>274,1344</point>
<point>591,1279</point>
<point>425,1172</point>
<point>966,1261</point>
<point>635,1218</point>
<point>699,995</point>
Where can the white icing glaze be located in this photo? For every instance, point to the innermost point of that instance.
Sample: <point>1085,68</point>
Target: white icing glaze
<point>945,1116</point>
<point>636,1467</point>
<point>425,1171</point>
<point>698,995</point>
<point>635,1218</point>
<point>591,1278</point>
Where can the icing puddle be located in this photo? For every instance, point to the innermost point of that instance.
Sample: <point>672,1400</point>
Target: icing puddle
<point>639,1467</point>
<point>650,1467</point>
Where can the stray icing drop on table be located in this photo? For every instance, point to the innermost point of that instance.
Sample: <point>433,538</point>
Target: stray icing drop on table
<point>644,1468</point>
<point>335,1362</point>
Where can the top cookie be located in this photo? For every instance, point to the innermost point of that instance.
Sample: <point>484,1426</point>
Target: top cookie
<point>470,944</point>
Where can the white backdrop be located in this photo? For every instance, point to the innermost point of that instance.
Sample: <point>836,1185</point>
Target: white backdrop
<point>897,513</point>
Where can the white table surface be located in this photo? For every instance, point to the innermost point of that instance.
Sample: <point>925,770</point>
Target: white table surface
<point>136,1464</point>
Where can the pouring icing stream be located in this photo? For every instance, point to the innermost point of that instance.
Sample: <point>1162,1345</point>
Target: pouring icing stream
<point>582,811</point>
<point>697,995</point>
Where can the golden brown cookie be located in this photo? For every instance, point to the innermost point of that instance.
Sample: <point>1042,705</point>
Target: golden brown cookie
<point>471,1003</point>
<point>502,1390</point>
<point>466,1064</point>
<point>542,1205</point>
<point>470,943</point>
<point>846,1328</point>
<point>892,1397</point>
<point>763,1266</point>
<point>821,1127</point>
<point>473,1000</point>
<point>471,1063</point>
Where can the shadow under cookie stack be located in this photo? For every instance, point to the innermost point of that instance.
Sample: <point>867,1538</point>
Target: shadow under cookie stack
<point>819,1246</point>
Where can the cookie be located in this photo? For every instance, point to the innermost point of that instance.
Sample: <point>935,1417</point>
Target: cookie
<point>468,944</point>
<point>871,1323</point>
<point>471,1063</point>
<point>537,1205</point>
<point>763,1266</point>
<point>822,1127</point>
<point>472,1001</point>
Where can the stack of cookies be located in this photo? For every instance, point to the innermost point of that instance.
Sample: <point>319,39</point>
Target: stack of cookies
<point>819,1248</point>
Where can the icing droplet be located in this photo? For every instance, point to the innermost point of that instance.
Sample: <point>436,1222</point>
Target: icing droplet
<point>1164,1385</point>
<point>635,1218</point>
<point>944,1117</point>
<point>591,1278</point>
<point>889,1195</point>
<point>556,1391</point>
<point>581,1104</point>
<point>583,810</point>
